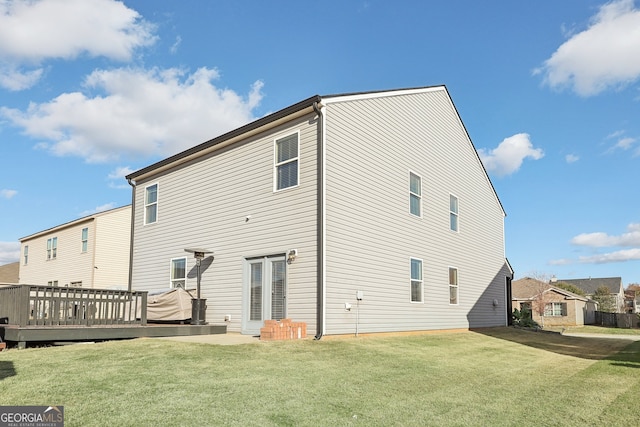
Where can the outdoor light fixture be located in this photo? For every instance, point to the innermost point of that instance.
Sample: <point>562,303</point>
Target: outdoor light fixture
<point>198,305</point>
<point>291,255</point>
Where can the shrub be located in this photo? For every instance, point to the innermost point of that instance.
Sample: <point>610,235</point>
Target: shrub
<point>523,318</point>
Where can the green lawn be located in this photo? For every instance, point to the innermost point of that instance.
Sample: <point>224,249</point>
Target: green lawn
<point>501,376</point>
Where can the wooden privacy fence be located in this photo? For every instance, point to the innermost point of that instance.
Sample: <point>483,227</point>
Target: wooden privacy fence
<point>617,320</point>
<point>32,305</point>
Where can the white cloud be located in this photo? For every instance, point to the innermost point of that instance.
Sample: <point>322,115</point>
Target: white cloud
<point>599,239</point>
<point>13,79</point>
<point>602,240</point>
<point>571,158</point>
<point>618,256</point>
<point>9,252</point>
<point>507,157</point>
<point>174,47</point>
<point>603,56</point>
<point>7,194</point>
<point>562,261</point>
<point>142,113</point>
<point>120,172</point>
<point>616,134</point>
<point>34,31</point>
<point>116,177</point>
<point>97,209</point>
<point>625,143</point>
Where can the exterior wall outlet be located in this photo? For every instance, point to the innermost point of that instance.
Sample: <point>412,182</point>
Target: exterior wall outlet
<point>227,318</point>
<point>359,295</point>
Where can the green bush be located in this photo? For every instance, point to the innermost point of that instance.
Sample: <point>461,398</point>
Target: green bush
<point>524,319</point>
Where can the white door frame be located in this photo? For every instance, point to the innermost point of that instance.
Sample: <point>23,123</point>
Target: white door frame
<point>262,272</point>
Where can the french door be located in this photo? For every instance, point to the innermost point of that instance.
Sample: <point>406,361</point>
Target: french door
<point>265,292</point>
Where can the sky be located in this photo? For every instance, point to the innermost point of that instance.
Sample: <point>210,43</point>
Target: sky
<point>549,92</point>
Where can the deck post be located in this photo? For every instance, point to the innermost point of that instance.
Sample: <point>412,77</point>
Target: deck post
<point>143,312</point>
<point>22,303</point>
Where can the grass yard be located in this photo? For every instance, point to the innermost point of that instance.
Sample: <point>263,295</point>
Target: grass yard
<point>495,377</point>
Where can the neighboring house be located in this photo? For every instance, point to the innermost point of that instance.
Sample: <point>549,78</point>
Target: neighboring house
<point>562,308</point>
<point>90,252</point>
<point>590,285</point>
<point>9,273</point>
<point>631,302</point>
<point>367,212</point>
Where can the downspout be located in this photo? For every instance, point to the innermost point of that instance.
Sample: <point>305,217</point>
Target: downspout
<point>133,216</point>
<point>320,231</point>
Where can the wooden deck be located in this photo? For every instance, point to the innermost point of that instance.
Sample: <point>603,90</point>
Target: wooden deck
<point>28,334</point>
<point>32,313</point>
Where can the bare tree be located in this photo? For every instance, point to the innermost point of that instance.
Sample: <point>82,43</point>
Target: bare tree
<point>542,297</point>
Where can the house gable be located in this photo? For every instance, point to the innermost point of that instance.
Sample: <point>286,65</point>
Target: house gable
<point>376,143</point>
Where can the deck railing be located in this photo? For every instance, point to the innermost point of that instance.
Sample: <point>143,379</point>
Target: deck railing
<point>32,305</point>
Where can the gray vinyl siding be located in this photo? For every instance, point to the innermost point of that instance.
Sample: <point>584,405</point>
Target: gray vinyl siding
<point>372,145</point>
<point>205,205</point>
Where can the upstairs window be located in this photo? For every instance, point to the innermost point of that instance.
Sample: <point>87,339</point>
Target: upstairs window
<point>453,212</point>
<point>151,204</point>
<point>178,273</point>
<point>415,194</point>
<point>26,255</point>
<point>416,280</point>
<point>286,162</point>
<point>453,286</point>
<point>52,248</point>
<point>85,239</point>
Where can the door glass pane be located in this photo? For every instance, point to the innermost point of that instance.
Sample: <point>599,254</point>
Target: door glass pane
<point>255,309</point>
<point>278,290</point>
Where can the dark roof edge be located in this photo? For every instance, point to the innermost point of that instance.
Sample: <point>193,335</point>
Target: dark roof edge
<point>232,134</point>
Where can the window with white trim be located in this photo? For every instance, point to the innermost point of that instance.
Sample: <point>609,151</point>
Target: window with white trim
<point>453,286</point>
<point>286,162</point>
<point>555,309</point>
<point>85,239</point>
<point>151,204</point>
<point>453,212</point>
<point>179,272</point>
<point>26,254</point>
<point>415,194</point>
<point>416,280</point>
<point>52,248</point>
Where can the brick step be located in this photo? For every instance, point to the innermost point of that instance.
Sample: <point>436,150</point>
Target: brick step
<point>284,329</point>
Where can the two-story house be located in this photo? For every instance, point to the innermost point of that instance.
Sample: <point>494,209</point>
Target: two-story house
<point>89,252</point>
<point>590,286</point>
<point>367,212</point>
